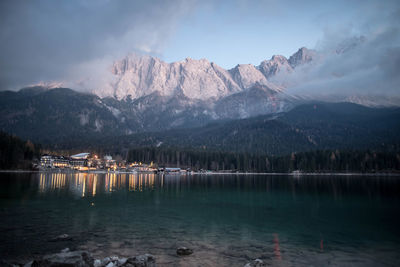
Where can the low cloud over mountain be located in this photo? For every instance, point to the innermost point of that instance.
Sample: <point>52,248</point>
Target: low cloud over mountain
<point>63,40</point>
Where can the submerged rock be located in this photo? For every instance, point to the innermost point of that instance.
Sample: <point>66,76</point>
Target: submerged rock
<point>183,251</point>
<point>65,259</point>
<point>63,237</point>
<point>255,263</point>
<point>69,258</point>
<point>146,260</point>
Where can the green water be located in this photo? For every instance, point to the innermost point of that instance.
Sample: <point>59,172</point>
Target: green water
<point>227,220</point>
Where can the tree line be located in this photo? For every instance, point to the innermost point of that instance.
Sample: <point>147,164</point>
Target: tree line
<point>19,154</point>
<point>313,161</point>
<point>16,153</point>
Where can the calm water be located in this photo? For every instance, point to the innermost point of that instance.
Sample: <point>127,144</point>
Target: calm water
<point>227,219</point>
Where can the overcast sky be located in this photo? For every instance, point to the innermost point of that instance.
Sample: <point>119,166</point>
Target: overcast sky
<point>47,40</point>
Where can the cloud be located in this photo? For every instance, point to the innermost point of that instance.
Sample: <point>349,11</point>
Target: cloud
<point>362,60</point>
<point>52,40</point>
<point>77,40</point>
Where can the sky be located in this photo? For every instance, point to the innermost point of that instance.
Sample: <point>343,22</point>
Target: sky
<point>46,40</point>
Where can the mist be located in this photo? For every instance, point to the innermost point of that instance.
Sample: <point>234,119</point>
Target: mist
<point>363,61</point>
<point>49,40</point>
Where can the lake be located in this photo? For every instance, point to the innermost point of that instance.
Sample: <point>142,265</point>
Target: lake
<point>228,220</point>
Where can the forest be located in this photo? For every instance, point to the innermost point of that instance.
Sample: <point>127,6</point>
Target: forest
<point>16,153</point>
<point>312,161</point>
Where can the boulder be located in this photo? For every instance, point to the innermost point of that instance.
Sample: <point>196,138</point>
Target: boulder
<point>122,261</point>
<point>97,263</point>
<point>105,261</point>
<point>183,251</point>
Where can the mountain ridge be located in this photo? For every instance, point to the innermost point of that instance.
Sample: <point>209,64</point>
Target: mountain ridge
<point>137,76</point>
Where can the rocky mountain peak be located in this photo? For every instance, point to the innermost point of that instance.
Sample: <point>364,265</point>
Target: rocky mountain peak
<point>275,65</point>
<point>132,61</point>
<point>246,75</point>
<point>302,56</point>
<point>279,58</point>
<point>136,76</point>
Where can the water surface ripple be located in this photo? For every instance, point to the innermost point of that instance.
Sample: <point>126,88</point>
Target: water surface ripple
<point>227,220</point>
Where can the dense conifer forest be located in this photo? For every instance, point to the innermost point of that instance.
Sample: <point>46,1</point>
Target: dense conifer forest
<point>16,153</point>
<point>313,161</point>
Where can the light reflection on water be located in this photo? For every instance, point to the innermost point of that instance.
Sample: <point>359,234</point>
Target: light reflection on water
<point>84,184</point>
<point>226,219</point>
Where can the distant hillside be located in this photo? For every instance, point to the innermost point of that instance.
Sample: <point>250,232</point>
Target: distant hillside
<point>315,126</point>
<point>56,116</point>
<point>63,118</point>
<point>62,115</point>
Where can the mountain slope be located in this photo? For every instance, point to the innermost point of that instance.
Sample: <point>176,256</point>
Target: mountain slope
<point>63,116</point>
<point>57,115</point>
<point>314,126</point>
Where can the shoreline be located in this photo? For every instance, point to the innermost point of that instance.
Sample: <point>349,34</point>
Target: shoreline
<point>212,173</point>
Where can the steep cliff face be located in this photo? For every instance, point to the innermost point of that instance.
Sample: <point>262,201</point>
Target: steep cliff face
<point>137,76</point>
<point>277,64</point>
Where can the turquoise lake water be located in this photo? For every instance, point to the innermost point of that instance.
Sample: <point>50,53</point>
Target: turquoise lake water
<point>228,220</point>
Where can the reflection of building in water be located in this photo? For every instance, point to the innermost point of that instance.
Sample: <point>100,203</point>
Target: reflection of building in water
<point>85,184</point>
<point>51,181</point>
<point>94,186</point>
<point>91,184</point>
<point>141,181</point>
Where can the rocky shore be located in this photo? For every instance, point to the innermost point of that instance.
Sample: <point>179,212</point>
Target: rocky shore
<point>82,258</point>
